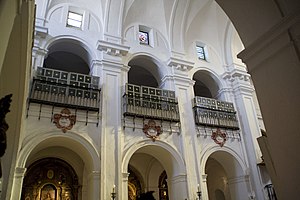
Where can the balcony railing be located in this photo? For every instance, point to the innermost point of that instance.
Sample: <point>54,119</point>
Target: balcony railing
<point>148,102</point>
<point>65,89</point>
<point>212,112</point>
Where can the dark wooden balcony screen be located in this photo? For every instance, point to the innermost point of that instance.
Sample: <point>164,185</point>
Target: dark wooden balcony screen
<point>65,89</point>
<point>212,112</point>
<point>148,102</point>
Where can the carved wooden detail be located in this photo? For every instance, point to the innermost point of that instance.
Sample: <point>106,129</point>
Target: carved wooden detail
<point>50,179</point>
<point>4,109</point>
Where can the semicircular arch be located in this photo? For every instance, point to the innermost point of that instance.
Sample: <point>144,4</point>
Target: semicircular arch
<point>230,155</point>
<point>210,79</point>
<point>163,152</point>
<point>154,65</point>
<point>72,141</point>
<point>73,45</point>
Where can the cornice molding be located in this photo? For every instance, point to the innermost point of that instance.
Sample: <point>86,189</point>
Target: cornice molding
<point>178,80</point>
<point>41,31</point>
<point>112,49</point>
<point>40,51</point>
<point>180,64</point>
<point>236,75</point>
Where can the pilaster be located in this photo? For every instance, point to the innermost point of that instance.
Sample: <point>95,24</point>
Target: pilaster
<point>18,182</point>
<point>177,184</point>
<point>203,187</point>
<point>124,189</point>
<point>38,53</point>
<point>112,73</point>
<point>243,92</point>
<point>237,188</point>
<point>93,189</point>
<point>183,87</point>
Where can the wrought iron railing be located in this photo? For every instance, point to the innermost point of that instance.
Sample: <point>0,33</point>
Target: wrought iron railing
<point>148,102</point>
<point>212,112</point>
<point>65,89</point>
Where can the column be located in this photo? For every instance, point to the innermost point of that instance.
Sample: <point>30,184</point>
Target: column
<point>250,130</point>
<point>17,183</point>
<point>112,72</point>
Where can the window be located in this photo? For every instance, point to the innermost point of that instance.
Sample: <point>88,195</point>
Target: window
<point>74,19</point>
<point>144,37</point>
<point>200,52</point>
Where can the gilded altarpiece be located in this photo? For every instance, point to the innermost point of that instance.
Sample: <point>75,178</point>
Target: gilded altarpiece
<point>134,185</point>
<point>163,186</point>
<point>50,179</point>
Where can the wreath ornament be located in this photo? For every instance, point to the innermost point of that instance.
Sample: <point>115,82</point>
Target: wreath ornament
<point>219,137</point>
<point>64,121</point>
<point>151,130</point>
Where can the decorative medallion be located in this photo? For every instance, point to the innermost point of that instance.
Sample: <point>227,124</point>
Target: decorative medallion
<point>64,120</point>
<point>219,137</point>
<point>151,130</point>
<point>50,173</point>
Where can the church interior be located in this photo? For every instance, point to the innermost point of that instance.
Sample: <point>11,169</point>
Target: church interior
<point>137,99</point>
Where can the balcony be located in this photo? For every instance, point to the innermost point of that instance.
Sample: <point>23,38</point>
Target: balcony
<point>149,102</point>
<point>214,113</point>
<point>65,89</point>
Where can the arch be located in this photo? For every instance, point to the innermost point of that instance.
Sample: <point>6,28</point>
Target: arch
<point>235,174</point>
<point>85,51</point>
<point>219,194</point>
<point>227,43</point>
<point>173,157</point>
<point>72,141</point>
<point>92,10</point>
<point>157,68</point>
<point>50,178</point>
<point>210,79</point>
<point>209,150</point>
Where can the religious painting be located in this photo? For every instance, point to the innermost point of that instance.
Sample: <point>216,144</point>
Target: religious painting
<point>48,192</point>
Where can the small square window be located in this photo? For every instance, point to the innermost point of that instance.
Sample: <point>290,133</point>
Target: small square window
<point>143,37</point>
<point>200,52</point>
<point>74,19</point>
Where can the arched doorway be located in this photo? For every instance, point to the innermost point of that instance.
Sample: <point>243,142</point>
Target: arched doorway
<point>217,180</point>
<point>158,164</point>
<point>50,179</point>
<point>150,169</point>
<point>225,177</point>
